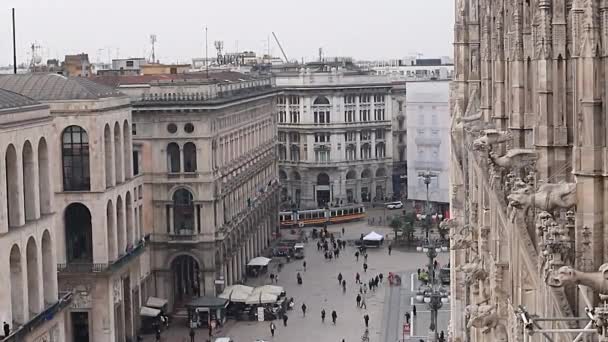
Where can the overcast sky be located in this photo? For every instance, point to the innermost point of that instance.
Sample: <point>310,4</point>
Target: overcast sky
<point>363,29</point>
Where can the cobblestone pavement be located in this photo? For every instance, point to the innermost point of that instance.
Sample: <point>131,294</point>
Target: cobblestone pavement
<point>320,290</point>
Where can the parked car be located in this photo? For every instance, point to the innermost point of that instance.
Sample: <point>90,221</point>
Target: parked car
<point>224,339</point>
<point>394,205</point>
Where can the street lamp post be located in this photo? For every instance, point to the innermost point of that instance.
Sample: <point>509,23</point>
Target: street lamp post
<point>426,216</point>
<point>435,299</point>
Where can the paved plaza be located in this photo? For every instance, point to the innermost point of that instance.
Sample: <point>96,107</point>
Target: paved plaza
<point>320,290</point>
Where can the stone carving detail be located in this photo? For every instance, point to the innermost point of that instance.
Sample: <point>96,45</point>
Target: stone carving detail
<point>473,271</point>
<point>548,197</point>
<point>566,275</point>
<point>516,158</point>
<point>482,317</point>
<point>462,237</point>
<point>491,137</point>
<point>554,240</point>
<point>82,298</point>
<point>117,290</point>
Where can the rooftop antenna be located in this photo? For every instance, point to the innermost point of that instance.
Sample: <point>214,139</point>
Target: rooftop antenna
<point>153,41</point>
<point>219,46</point>
<point>206,52</point>
<point>320,54</point>
<point>14,46</point>
<point>36,58</point>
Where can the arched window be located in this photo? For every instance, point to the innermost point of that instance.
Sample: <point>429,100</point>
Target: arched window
<point>127,149</point>
<point>186,278</point>
<point>111,231</point>
<point>29,183</point>
<point>33,283</point>
<point>322,179</point>
<point>381,172</point>
<point>16,278</point>
<point>366,174</point>
<point>120,226</point>
<point>351,174</point>
<point>380,150</point>
<point>321,100</point>
<point>108,147</point>
<point>44,180</point>
<point>282,175</point>
<point>189,157</point>
<point>183,211</point>
<point>78,233</point>
<point>295,175</point>
<point>16,216</point>
<point>49,270</point>
<point>129,217</point>
<point>282,152</point>
<point>173,157</point>
<point>366,151</point>
<point>75,157</point>
<point>321,110</point>
<point>351,152</point>
<point>118,153</point>
<point>294,153</point>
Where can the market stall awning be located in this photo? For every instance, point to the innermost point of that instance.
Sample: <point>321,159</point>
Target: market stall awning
<point>272,289</point>
<point>239,287</point>
<point>261,298</point>
<point>208,302</point>
<point>259,261</point>
<point>235,295</point>
<point>373,236</point>
<point>155,302</point>
<point>149,312</point>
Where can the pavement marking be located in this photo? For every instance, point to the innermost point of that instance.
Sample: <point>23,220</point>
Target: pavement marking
<point>412,282</point>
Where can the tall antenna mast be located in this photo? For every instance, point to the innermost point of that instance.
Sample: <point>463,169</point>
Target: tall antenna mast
<point>153,41</point>
<point>206,53</point>
<point>14,46</point>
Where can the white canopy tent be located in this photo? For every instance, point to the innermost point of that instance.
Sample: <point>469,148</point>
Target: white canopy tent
<point>272,289</point>
<point>237,293</point>
<point>261,298</point>
<point>373,236</point>
<point>259,261</point>
<point>239,287</point>
<point>149,312</point>
<point>155,302</point>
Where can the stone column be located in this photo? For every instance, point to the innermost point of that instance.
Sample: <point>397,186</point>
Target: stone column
<point>3,217</point>
<point>196,218</point>
<point>171,221</point>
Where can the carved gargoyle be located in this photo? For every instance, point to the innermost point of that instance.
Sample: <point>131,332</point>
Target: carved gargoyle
<point>491,137</point>
<point>461,237</point>
<point>473,271</point>
<point>548,197</point>
<point>565,275</point>
<point>516,158</point>
<point>482,317</point>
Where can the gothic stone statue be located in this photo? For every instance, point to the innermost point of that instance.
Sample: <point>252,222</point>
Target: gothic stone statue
<point>491,137</point>
<point>473,271</point>
<point>516,158</point>
<point>565,275</point>
<point>548,197</point>
<point>481,317</point>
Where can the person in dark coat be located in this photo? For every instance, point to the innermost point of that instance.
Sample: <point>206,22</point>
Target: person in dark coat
<point>285,318</point>
<point>357,278</point>
<point>343,285</point>
<point>357,256</point>
<point>390,249</point>
<point>366,319</point>
<point>414,310</point>
<point>339,278</point>
<point>380,276</point>
<point>334,316</point>
<point>158,335</point>
<point>407,317</point>
<point>303,310</point>
<point>7,329</point>
<point>323,316</point>
<point>272,327</point>
<point>192,334</point>
<point>358,300</point>
<point>364,267</point>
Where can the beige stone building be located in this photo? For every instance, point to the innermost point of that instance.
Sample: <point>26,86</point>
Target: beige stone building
<point>335,135</point>
<point>206,150</point>
<point>71,211</point>
<point>528,188</point>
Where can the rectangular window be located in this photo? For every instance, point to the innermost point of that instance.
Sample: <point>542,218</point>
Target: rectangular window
<point>136,162</point>
<point>294,100</point>
<point>379,98</point>
<point>281,100</point>
<point>349,99</point>
<point>294,116</point>
<point>364,99</point>
<point>282,137</point>
<point>380,134</point>
<point>129,63</point>
<point>133,129</point>
<point>282,116</point>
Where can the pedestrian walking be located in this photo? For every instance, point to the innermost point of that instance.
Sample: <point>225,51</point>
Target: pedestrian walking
<point>303,310</point>
<point>7,329</point>
<point>271,278</point>
<point>323,316</point>
<point>418,273</point>
<point>334,316</point>
<point>364,288</point>
<point>390,249</point>
<point>414,310</point>
<point>365,267</point>
<point>140,338</point>
<point>360,289</point>
<point>192,334</point>
<point>363,303</point>
<point>339,278</point>
<point>435,264</point>
<point>357,255</point>
<point>365,257</point>
<point>318,245</point>
<point>380,276</point>
<point>157,335</point>
<point>342,231</point>
<point>366,319</point>
<point>407,317</point>
<point>304,264</point>
<point>357,278</point>
<point>359,300</point>
<point>343,286</point>
<point>285,318</point>
<point>276,279</point>
<point>272,328</point>
<point>441,337</point>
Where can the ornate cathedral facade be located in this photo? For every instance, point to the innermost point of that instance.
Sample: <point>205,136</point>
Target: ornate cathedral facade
<point>529,164</point>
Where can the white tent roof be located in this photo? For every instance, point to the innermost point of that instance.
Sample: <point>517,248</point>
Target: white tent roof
<point>239,287</point>
<point>272,289</point>
<point>148,312</point>
<point>259,261</point>
<point>373,236</point>
<point>235,296</point>
<point>261,298</point>
<point>155,302</point>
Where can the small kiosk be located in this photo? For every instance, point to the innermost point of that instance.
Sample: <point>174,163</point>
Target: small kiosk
<point>203,311</point>
<point>373,239</point>
<point>257,266</point>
